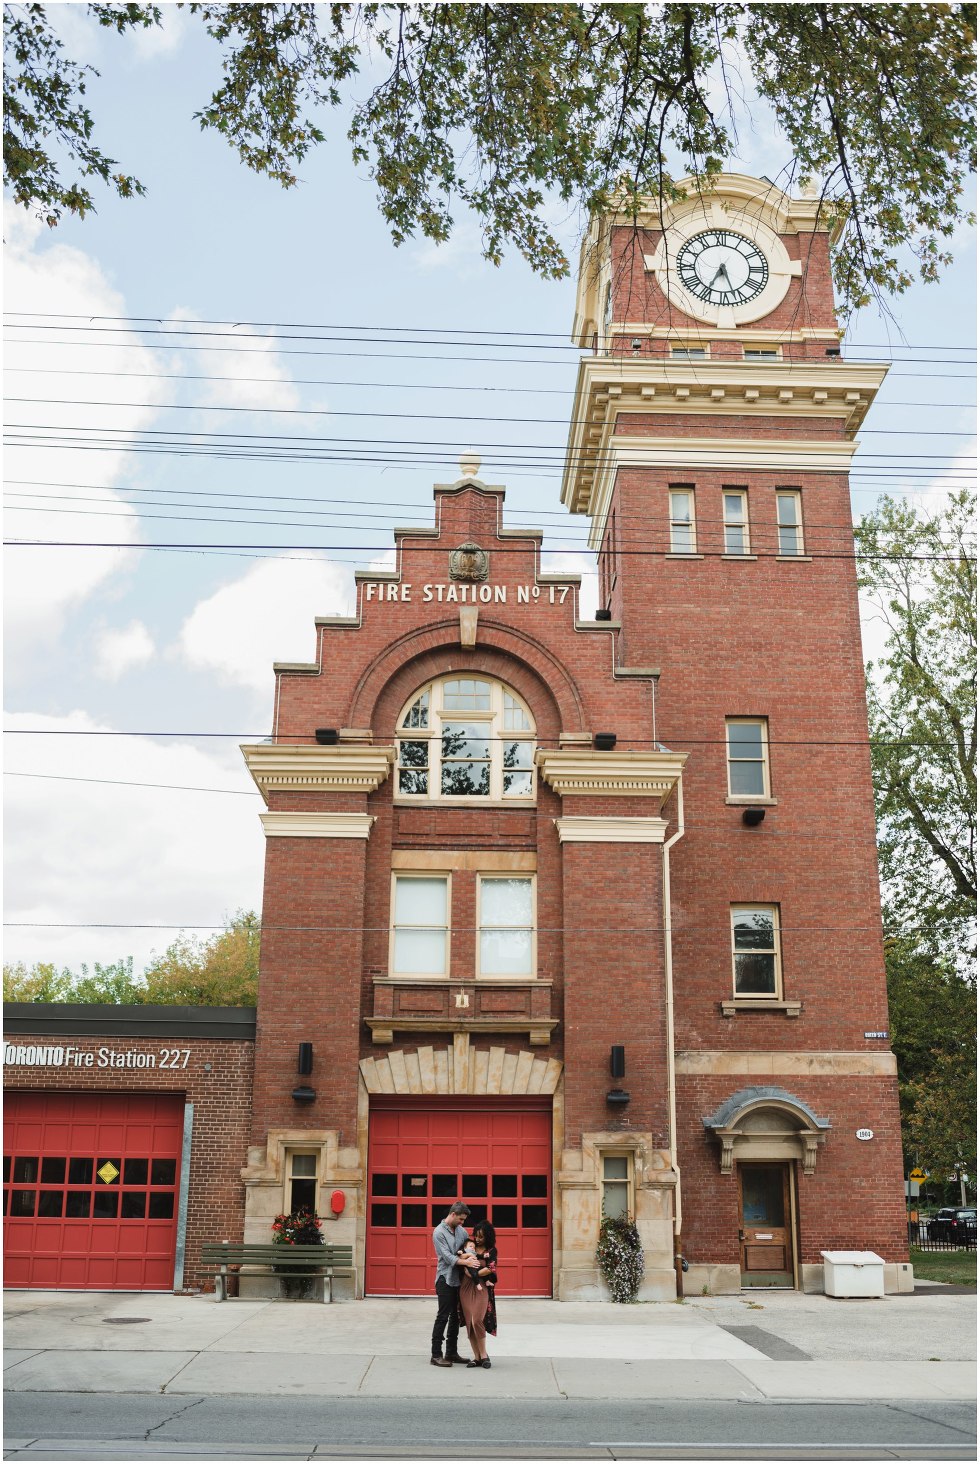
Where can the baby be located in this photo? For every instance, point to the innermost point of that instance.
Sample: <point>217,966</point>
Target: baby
<point>469,1258</point>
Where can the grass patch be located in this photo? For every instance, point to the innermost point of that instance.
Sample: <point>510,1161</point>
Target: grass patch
<point>959,1268</point>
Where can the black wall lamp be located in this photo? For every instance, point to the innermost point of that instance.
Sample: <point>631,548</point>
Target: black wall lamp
<point>617,1097</point>
<point>604,741</point>
<point>603,615</point>
<point>327,736</point>
<point>752,817</point>
<point>303,1093</point>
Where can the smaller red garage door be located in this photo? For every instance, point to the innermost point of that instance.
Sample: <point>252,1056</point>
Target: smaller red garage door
<point>90,1190</point>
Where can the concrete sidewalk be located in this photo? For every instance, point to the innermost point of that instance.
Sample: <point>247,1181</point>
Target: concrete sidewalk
<point>755,1347</point>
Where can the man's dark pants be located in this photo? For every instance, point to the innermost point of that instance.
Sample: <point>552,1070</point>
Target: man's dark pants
<point>447,1319</point>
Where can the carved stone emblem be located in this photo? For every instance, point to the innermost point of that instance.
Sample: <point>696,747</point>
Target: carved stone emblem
<point>469,562</point>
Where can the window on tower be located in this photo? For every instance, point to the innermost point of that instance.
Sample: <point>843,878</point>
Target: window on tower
<point>755,950</point>
<point>683,533</point>
<point>736,520</point>
<point>463,737</point>
<point>748,757</point>
<point>789,521</point>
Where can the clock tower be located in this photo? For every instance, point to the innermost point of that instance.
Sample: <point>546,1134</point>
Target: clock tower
<point>712,435</point>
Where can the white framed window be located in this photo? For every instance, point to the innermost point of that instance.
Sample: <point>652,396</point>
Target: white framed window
<point>466,737</point>
<point>735,510</point>
<point>506,925</point>
<point>789,521</point>
<point>683,533</point>
<point>688,353</point>
<point>419,925</point>
<point>301,1180</point>
<point>755,950</point>
<point>762,353</point>
<point>617,1186</point>
<point>748,757</point>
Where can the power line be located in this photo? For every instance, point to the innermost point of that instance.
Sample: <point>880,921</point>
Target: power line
<point>420,329</point>
<point>125,783</point>
<point>404,335</point>
<point>812,430</point>
<point>378,385</point>
<point>124,345</point>
<point>419,735</point>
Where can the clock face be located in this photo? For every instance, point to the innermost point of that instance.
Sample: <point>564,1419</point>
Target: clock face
<point>722,268</point>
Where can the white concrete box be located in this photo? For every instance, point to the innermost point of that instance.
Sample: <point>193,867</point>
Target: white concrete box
<point>853,1273</point>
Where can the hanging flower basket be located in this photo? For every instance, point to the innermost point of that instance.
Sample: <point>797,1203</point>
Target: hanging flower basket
<point>619,1255</point>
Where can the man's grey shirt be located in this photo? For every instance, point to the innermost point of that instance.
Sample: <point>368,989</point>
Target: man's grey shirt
<point>447,1242</point>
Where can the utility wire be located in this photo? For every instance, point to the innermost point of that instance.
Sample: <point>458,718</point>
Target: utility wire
<point>419,329</point>
<point>812,430</point>
<point>375,385</point>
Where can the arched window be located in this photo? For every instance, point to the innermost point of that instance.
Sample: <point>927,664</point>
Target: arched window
<point>466,737</point>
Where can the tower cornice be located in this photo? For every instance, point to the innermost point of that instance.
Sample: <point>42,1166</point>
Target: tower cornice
<point>609,386</point>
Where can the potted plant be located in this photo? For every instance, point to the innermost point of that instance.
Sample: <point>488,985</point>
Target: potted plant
<point>298,1227</point>
<point>620,1257</point>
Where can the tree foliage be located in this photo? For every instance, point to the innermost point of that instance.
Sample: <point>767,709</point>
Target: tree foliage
<point>508,109</point>
<point>933,1016</point>
<point>920,572</point>
<point>222,971</point>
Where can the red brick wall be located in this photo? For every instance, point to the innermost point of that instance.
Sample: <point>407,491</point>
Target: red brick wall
<point>854,1200</point>
<point>222,1100</point>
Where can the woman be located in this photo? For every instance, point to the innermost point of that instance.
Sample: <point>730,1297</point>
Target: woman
<point>477,1301</point>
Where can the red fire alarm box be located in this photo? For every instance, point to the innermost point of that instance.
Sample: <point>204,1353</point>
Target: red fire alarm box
<point>337,1202</point>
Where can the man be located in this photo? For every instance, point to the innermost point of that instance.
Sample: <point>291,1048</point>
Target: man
<point>448,1238</point>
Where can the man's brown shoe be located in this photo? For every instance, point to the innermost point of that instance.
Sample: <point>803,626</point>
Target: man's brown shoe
<point>440,1362</point>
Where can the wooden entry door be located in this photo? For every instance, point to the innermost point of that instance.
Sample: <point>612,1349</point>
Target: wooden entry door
<point>765,1218</point>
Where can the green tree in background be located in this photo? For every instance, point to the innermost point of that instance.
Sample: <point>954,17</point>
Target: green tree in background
<point>506,109</point>
<point>919,570</point>
<point>221,971</point>
<point>933,1017</point>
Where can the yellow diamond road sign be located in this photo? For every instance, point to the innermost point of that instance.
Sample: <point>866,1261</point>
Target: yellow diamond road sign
<point>108,1172</point>
<point>916,1174</point>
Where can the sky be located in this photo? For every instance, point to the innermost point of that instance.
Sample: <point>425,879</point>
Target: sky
<point>163,360</point>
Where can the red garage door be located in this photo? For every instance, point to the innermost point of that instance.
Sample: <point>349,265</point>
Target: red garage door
<point>90,1190</point>
<point>421,1159</point>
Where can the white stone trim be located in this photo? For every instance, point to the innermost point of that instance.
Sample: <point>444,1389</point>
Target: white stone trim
<point>870,1064</point>
<point>615,774</point>
<point>343,769</point>
<point>316,825</point>
<point>584,830</point>
<point>460,1069</point>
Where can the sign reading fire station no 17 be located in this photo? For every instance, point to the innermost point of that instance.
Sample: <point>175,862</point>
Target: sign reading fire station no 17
<point>464,594</point>
<point>36,1055</point>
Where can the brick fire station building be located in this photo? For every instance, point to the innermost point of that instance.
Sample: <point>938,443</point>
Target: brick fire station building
<point>565,915</point>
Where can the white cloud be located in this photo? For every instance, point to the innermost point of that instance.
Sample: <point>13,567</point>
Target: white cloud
<point>588,595</point>
<point>65,412</point>
<point>266,615</point>
<point>119,651</point>
<point>84,854</point>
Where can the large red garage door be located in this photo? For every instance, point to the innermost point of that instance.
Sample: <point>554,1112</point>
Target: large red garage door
<point>421,1159</point>
<point>90,1190</point>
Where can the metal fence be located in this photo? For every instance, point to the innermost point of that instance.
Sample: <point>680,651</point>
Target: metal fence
<point>933,1235</point>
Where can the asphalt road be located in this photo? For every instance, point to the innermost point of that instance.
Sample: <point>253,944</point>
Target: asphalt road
<point>81,1426</point>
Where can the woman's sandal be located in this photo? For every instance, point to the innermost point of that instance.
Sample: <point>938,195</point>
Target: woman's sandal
<point>474,1362</point>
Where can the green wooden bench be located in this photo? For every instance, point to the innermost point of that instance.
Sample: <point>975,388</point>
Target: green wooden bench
<point>324,1261</point>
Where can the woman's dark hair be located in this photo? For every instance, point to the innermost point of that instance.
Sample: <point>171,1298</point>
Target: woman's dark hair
<point>485,1229</point>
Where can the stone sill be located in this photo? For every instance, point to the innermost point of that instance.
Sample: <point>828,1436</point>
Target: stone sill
<point>489,981</point>
<point>748,558</point>
<point>683,556</point>
<point>794,559</point>
<point>746,800</point>
<point>736,1006</point>
<point>539,1029</point>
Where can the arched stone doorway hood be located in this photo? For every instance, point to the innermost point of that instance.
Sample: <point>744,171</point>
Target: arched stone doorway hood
<point>767,1123</point>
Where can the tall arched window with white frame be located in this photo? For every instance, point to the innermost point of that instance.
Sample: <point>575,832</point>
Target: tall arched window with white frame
<point>465,738</point>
